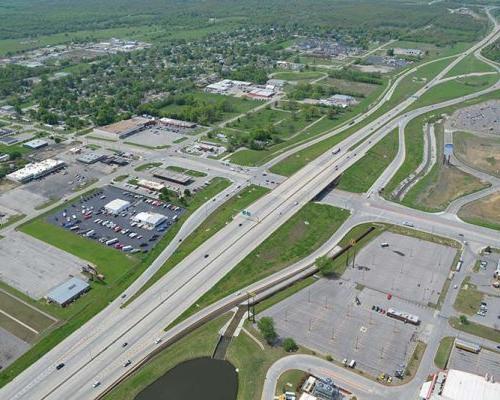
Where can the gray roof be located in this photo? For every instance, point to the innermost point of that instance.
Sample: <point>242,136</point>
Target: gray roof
<point>68,290</point>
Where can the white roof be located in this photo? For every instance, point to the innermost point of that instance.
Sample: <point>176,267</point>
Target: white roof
<point>462,385</point>
<point>117,205</point>
<point>307,396</point>
<point>35,169</point>
<point>150,218</point>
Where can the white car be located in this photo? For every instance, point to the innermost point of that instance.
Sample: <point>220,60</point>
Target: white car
<point>95,384</point>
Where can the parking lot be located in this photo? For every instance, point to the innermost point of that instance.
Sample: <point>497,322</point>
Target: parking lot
<point>409,268</point>
<point>326,317</point>
<point>158,136</point>
<point>483,278</point>
<point>11,348</point>
<point>485,362</point>
<point>34,267</point>
<point>87,217</point>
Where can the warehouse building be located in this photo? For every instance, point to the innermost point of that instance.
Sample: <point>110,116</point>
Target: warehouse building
<point>150,185</point>
<point>125,128</point>
<point>116,206</point>
<point>91,158</point>
<point>36,170</point>
<point>151,220</point>
<point>36,144</point>
<point>68,291</point>
<point>459,385</point>
<point>177,123</point>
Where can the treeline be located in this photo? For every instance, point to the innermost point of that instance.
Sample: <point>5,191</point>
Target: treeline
<point>354,75</point>
<point>309,91</point>
<point>190,108</point>
<point>492,51</point>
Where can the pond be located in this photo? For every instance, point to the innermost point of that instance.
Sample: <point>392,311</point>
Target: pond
<point>201,378</point>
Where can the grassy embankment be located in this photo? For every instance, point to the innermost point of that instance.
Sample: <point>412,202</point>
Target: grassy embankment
<point>301,235</point>
<point>209,227</point>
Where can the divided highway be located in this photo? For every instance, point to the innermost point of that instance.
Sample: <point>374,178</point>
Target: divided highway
<point>96,354</point>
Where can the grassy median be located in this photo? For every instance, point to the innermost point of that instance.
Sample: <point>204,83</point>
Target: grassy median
<point>301,235</point>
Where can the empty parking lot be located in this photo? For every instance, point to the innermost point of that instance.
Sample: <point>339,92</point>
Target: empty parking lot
<point>409,268</point>
<point>485,362</point>
<point>326,317</point>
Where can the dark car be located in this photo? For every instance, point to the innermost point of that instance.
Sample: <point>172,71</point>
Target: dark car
<point>59,366</point>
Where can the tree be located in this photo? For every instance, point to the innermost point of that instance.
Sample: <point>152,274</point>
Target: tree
<point>464,320</point>
<point>289,345</point>
<point>266,328</point>
<point>165,194</point>
<point>324,265</point>
<point>187,192</point>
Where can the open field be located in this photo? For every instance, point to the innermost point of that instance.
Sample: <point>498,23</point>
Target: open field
<point>453,89</point>
<point>483,212</point>
<point>344,85</point>
<point>359,177</point>
<point>479,152</point>
<point>190,172</point>
<point>298,76</point>
<point>238,105</point>
<point>290,381</point>
<point>443,184</point>
<point>209,227</point>
<point>307,230</point>
<point>199,343</point>
<point>469,64</point>
<point>468,298</point>
<point>106,259</point>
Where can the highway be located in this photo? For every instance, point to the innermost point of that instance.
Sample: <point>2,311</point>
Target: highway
<point>94,353</point>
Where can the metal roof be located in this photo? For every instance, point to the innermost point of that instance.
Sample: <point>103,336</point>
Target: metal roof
<point>68,290</point>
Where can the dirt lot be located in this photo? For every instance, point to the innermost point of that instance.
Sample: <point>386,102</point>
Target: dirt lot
<point>481,153</point>
<point>450,184</point>
<point>485,211</point>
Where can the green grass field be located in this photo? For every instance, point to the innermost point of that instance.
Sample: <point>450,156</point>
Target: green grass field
<point>361,176</point>
<point>476,329</point>
<point>469,64</point>
<point>468,298</point>
<point>145,167</point>
<point>301,235</point>
<point>453,89</point>
<point>298,76</point>
<point>120,271</point>
<point>240,105</point>
<point>210,226</point>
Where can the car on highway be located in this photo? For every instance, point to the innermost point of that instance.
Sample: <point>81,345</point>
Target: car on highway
<point>127,363</point>
<point>409,224</point>
<point>59,366</point>
<point>96,384</point>
<point>124,344</point>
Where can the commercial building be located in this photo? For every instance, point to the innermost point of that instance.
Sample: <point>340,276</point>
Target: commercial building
<point>320,389</point>
<point>226,86</point>
<point>339,100</point>
<point>151,185</point>
<point>4,157</point>
<point>172,176</point>
<point>151,220</point>
<point>36,144</point>
<point>125,128</point>
<point>262,94</point>
<point>408,52</point>
<point>460,385</point>
<point>68,291</point>
<point>91,158</point>
<point>117,206</point>
<point>36,170</point>
<point>176,123</point>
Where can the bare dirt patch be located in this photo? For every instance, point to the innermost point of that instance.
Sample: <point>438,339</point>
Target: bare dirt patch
<point>478,152</point>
